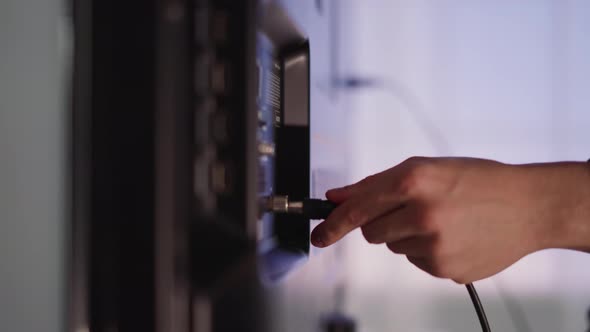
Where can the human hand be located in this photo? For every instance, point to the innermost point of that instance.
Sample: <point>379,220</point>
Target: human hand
<point>462,218</point>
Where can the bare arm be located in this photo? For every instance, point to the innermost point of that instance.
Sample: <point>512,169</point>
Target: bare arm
<point>463,218</point>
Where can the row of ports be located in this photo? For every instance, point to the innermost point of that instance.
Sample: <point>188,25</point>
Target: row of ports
<point>211,176</point>
<point>211,75</point>
<point>214,174</point>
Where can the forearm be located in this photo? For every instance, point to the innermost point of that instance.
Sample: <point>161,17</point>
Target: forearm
<point>560,194</point>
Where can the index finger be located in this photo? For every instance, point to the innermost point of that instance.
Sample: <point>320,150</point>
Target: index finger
<point>355,212</point>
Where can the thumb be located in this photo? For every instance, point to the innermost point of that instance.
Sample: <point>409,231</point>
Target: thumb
<point>339,195</point>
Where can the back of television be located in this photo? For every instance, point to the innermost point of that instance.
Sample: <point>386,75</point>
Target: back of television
<point>216,97</point>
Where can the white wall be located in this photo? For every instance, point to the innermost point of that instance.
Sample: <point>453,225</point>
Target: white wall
<point>32,168</point>
<point>508,80</point>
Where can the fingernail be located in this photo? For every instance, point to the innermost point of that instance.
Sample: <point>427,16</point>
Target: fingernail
<point>317,240</point>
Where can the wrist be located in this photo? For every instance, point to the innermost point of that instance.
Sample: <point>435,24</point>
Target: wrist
<point>559,195</point>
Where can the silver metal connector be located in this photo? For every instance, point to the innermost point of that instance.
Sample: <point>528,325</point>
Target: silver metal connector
<point>278,204</point>
<point>295,207</point>
<point>281,204</point>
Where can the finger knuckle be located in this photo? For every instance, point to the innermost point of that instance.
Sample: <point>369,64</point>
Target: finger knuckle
<point>369,235</point>
<point>414,160</point>
<point>367,180</point>
<point>352,217</point>
<point>407,187</point>
<point>428,221</point>
<point>415,180</point>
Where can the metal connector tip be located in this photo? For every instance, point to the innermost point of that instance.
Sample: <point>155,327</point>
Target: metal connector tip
<point>281,204</point>
<point>295,207</point>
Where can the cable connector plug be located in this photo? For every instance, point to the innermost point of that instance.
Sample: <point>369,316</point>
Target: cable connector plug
<point>310,208</point>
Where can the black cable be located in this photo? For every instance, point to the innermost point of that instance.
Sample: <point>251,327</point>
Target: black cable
<point>481,314</point>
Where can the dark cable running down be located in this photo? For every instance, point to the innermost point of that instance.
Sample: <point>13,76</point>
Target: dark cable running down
<point>481,314</point>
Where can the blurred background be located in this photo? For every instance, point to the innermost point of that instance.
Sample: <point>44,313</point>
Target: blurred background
<point>503,80</point>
